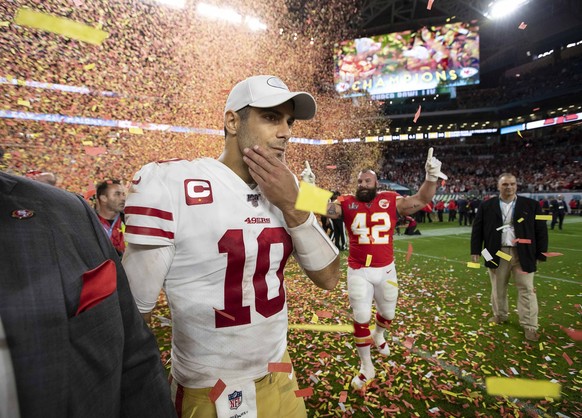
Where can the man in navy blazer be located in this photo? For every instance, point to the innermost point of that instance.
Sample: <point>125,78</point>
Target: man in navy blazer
<point>72,342</point>
<point>507,228</point>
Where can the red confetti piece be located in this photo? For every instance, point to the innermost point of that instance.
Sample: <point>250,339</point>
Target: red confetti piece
<point>331,167</point>
<point>575,334</point>
<point>95,150</point>
<point>552,254</point>
<point>343,396</point>
<point>429,5</point>
<point>323,355</point>
<point>217,390</point>
<point>568,359</point>
<point>224,314</point>
<point>409,252</point>
<point>304,393</point>
<point>324,314</point>
<point>522,25</point>
<point>280,368</point>
<point>417,114</point>
<point>408,343</point>
<point>522,241</point>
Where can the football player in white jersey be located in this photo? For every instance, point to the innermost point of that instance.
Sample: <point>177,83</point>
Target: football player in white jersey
<point>216,235</point>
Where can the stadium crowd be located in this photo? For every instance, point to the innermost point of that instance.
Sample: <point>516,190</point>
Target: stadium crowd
<point>553,162</point>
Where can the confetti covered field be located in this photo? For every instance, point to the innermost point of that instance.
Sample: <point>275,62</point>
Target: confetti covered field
<point>442,347</point>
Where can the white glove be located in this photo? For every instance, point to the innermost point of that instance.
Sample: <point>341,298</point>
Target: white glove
<point>433,168</point>
<point>307,175</point>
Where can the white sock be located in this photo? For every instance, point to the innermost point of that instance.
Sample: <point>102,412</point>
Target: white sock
<point>380,341</point>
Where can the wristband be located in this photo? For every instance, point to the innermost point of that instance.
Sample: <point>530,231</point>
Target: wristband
<point>313,249</point>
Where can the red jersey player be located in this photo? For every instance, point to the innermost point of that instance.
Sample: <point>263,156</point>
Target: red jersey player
<point>370,218</point>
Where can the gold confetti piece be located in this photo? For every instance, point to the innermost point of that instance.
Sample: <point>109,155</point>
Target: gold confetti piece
<point>3,24</point>
<point>501,254</point>
<point>88,143</point>
<point>368,260</point>
<point>520,220</point>
<point>60,25</point>
<point>417,114</point>
<point>519,133</point>
<point>393,283</point>
<point>473,265</point>
<point>312,198</point>
<point>89,67</point>
<point>136,131</point>
<point>543,217</point>
<point>323,328</point>
<point>522,388</point>
<point>314,319</point>
<point>22,102</point>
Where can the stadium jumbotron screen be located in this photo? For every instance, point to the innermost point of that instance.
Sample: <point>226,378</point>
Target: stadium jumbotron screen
<point>406,64</point>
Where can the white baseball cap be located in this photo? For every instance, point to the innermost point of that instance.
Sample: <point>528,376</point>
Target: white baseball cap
<point>269,91</point>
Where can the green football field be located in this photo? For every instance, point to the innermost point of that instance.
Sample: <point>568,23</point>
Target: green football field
<point>443,348</point>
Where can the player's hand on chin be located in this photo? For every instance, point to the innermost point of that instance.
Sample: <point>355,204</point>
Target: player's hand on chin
<point>276,181</point>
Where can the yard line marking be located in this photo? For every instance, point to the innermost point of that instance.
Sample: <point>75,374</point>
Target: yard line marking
<point>463,375</point>
<point>567,249</point>
<point>560,279</point>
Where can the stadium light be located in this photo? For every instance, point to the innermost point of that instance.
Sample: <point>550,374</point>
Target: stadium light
<point>502,8</point>
<point>229,15</point>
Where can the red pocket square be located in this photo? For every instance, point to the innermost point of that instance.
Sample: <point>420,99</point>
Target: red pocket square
<point>97,285</point>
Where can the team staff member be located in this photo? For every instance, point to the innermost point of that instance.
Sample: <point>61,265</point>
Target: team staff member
<point>72,342</point>
<point>110,205</point>
<point>500,225</point>
<point>216,236</point>
<point>370,218</point>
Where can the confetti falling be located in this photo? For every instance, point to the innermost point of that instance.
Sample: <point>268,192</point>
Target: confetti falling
<point>417,114</point>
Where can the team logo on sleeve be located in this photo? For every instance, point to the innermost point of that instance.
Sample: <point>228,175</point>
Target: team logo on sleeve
<point>383,203</point>
<point>235,399</point>
<point>198,192</point>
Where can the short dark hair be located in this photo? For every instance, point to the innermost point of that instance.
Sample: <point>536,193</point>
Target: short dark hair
<point>102,187</point>
<point>243,114</point>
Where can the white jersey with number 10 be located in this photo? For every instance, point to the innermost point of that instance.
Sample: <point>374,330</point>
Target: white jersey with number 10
<point>225,283</point>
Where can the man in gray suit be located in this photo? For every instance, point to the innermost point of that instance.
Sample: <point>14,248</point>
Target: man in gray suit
<point>72,343</point>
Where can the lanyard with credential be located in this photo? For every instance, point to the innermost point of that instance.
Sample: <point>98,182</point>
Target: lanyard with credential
<point>109,231</point>
<point>509,215</point>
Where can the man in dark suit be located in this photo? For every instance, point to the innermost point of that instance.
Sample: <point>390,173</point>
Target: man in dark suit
<point>558,209</point>
<point>72,342</point>
<point>514,240</point>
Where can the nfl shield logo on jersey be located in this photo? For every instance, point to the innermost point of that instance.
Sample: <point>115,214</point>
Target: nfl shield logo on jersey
<point>254,199</point>
<point>235,399</point>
